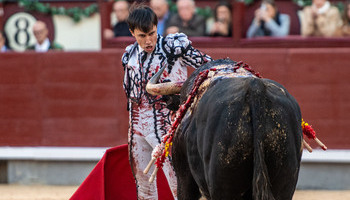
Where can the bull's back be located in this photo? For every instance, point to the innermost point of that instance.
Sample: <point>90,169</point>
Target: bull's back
<point>225,125</point>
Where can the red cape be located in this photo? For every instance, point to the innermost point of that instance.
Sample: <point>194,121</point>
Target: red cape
<point>112,179</point>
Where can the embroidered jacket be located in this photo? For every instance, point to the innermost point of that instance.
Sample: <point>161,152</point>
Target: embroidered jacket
<point>149,116</point>
<point>174,51</point>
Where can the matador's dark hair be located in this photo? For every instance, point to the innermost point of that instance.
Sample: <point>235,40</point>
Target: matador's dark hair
<point>141,17</point>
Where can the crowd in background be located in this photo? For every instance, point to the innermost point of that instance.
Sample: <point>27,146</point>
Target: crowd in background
<point>319,19</point>
<point>185,20</point>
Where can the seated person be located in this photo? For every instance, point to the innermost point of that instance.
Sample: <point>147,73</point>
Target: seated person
<point>344,30</point>
<point>223,20</point>
<point>43,44</point>
<point>269,22</point>
<point>187,21</point>
<point>320,19</point>
<point>121,28</point>
<point>3,47</point>
<point>161,8</point>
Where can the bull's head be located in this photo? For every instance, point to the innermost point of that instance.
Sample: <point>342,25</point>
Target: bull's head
<point>170,88</point>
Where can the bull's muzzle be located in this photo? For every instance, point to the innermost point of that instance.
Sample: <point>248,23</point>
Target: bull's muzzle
<point>167,88</point>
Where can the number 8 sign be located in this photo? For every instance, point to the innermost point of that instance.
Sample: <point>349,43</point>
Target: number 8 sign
<point>19,31</point>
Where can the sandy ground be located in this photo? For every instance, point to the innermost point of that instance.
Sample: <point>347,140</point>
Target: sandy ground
<point>38,192</point>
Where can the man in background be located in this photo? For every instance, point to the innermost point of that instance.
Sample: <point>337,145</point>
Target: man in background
<point>187,21</point>
<point>121,28</point>
<point>161,8</point>
<point>320,19</point>
<point>43,44</point>
<point>3,47</point>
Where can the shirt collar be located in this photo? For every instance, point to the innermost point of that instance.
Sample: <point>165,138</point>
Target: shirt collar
<point>165,17</point>
<point>3,49</point>
<point>140,48</point>
<point>42,47</point>
<point>324,8</point>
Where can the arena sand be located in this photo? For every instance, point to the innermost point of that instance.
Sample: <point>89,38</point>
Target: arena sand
<point>44,192</point>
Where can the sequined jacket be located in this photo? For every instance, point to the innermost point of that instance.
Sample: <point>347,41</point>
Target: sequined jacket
<point>149,115</point>
<point>174,51</point>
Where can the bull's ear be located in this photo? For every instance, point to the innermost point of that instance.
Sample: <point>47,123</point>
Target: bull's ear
<point>172,101</point>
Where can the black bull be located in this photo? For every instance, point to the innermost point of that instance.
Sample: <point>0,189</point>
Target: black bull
<point>241,140</point>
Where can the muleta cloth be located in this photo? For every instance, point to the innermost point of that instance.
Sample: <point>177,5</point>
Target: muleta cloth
<point>111,179</point>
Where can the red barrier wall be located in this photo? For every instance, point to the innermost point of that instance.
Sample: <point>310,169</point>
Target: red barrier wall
<point>76,98</point>
<point>62,99</point>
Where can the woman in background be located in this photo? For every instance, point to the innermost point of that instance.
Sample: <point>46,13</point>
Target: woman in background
<point>269,22</point>
<point>344,30</point>
<point>223,20</point>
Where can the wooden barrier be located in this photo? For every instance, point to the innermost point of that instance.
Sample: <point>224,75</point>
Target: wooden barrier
<point>76,98</point>
<point>62,99</point>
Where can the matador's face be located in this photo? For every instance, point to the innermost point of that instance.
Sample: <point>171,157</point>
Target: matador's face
<point>148,40</point>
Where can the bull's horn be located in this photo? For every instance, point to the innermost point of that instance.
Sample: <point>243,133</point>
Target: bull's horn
<point>167,88</point>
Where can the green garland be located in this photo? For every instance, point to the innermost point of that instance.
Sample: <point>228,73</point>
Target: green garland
<point>76,13</point>
<point>303,3</point>
<point>248,2</point>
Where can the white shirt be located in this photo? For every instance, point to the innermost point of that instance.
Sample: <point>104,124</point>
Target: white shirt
<point>3,49</point>
<point>324,8</point>
<point>44,47</point>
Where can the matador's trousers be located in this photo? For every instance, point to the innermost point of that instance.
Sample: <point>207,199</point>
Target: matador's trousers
<point>148,123</point>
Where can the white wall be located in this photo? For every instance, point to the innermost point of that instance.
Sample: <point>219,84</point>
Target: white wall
<point>82,36</point>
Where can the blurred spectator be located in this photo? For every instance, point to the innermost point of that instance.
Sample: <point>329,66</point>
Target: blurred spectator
<point>187,21</point>
<point>161,8</point>
<point>223,20</point>
<point>43,44</point>
<point>121,28</point>
<point>320,19</point>
<point>344,30</point>
<point>3,47</point>
<point>268,21</point>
